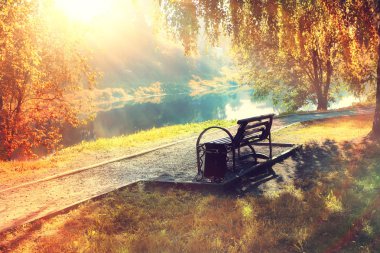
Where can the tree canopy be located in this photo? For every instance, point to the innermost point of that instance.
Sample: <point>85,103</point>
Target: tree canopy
<point>296,51</point>
<point>39,67</point>
<point>363,17</point>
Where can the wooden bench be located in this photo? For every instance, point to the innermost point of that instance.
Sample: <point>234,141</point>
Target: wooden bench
<point>251,131</point>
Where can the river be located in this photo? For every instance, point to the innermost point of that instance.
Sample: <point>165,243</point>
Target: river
<point>170,109</point>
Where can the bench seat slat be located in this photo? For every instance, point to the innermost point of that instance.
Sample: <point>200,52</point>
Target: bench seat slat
<point>256,125</point>
<point>251,139</point>
<point>225,140</point>
<point>250,132</point>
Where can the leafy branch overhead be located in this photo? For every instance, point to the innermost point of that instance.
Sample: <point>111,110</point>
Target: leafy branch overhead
<point>39,67</point>
<point>296,51</point>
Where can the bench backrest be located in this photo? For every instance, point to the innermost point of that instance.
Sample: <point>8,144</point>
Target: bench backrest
<point>253,129</point>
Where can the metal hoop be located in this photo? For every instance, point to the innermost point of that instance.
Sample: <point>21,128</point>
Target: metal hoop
<point>199,164</point>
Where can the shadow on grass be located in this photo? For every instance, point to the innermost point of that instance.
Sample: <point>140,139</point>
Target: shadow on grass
<point>337,204</point>
<point>314,159</point>
<point>330,204</point>
<point>27,232</point>
<point>301,169</point>
<point>345,177</point>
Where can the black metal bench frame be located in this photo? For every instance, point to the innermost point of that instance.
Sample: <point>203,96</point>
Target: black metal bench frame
<point>252,131</point>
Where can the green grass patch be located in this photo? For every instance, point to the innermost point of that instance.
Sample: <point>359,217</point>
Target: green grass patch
<point>103,149</point>
<point>337,129</point>
<point>332,205</point>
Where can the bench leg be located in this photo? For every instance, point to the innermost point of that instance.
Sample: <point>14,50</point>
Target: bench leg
<point>200,158</point>
<point>270,146</point>
<point>233,158</point>
<point>258,155</point>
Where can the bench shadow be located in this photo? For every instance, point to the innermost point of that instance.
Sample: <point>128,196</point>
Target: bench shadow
<point>307,165</point>
<point>307,168</point>
<point>349,160</point>
<point>250,183</point>
<point>308,162</point>
<point>315,158</point>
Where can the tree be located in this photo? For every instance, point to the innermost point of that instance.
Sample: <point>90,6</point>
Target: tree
<point>39,68</point>
<point>362,18</point>
<point>297,49</point>
<point>290,49</point>
<point>376,23</point>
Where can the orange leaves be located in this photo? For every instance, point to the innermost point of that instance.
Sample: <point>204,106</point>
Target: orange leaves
<point>37,69</point>
<point>311,46</point>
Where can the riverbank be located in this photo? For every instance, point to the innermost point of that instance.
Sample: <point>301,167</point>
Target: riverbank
<point>329,203</point>
<point>88,154</point>
<point>95,152</point>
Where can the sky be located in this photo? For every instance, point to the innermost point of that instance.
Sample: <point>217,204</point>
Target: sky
<point>137,58</point>
<point>132,50</point>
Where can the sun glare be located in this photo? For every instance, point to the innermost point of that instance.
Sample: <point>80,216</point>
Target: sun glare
<point>83,10</point>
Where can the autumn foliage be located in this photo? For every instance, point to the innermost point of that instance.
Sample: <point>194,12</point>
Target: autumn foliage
<point>39,68</point>
<point>297,52</point>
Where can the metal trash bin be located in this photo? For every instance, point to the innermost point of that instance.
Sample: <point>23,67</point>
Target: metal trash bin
<point>215,161</point>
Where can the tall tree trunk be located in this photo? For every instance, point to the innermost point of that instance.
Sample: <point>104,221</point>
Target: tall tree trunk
<point>317,82</point>
<point>329,73</point>
<point>322,94</point>
<point>322,103</point>
<point>376,120</point>
<point>2,150</point>
<point>323,98</point>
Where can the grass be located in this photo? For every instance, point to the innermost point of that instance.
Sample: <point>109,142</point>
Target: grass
<point>332,205</point>
<point>337,129</point>
<point>356,105</point>
<point>88,153</point>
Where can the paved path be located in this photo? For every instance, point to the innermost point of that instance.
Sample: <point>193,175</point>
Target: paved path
<point>177,162</point>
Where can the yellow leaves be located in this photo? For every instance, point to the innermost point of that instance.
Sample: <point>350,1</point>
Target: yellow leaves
<point>37,69</point>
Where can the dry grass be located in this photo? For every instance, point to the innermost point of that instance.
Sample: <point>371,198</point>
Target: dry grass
<point>88,153</point>
<point>337,129</point>
<point>333,205</point>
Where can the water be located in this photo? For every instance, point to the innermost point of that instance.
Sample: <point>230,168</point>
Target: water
<point>178,108</point>
<point>233,103</point>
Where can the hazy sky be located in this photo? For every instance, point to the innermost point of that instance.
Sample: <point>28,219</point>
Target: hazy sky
<point>131,51</point>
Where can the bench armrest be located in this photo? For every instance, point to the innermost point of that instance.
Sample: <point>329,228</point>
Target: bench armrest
<point>214,127</point>
<point>198,148</point>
